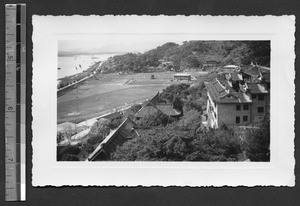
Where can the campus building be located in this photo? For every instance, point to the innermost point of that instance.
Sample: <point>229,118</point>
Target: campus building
<point>182,76</point>
<point>242,98</point>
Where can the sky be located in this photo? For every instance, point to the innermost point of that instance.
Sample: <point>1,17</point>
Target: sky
<point>119,43</point>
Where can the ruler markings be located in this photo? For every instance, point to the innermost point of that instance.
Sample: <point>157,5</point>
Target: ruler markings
<point>14,111</point>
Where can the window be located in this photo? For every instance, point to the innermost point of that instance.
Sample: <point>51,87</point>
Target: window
<point>238,107</point>
<point>261,97</point>
<point>245,107</point>
<point>253,96</point>
<point>260,109</point>
<point>237,120</point>
<point>245,118</point>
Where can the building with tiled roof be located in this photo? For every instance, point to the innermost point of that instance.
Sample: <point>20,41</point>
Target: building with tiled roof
<point>257,88</point>
<point>182,76</point>
<point>241,99</point>
<point>151,108</point>
<point>115,138</point>
<point>236,77</point>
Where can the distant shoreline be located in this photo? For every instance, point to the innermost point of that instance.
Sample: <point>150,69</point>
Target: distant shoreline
<point>87,54</point>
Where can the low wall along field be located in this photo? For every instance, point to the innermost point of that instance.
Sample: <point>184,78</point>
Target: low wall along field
<point>106,92</point>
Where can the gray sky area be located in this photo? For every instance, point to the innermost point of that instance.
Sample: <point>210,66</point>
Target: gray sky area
<point>119,43</point>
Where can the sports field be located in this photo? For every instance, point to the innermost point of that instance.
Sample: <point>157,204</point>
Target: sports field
<point>107,92</point>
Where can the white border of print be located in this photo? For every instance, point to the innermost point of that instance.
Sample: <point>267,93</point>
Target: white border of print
<point>47,30</point>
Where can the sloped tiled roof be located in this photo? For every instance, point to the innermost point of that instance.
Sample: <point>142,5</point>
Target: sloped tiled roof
<point>216,90</point>
<point>264,69</point>
<point>151,108</point>
<point>246,67</point>
<point>236,77</point>
<point>257,88</point>
<point>244,98</point>
<point>228,86</point>
<point>168,109</point>
<point>253,71</point>
<point>146,110</point>
<point>266,77</point>
<point>115,138</point>
<point>219,94</point>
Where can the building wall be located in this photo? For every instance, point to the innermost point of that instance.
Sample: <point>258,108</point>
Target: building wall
<point>182,77</point>
<point>227,114</point>
<point>212,113</point>
<point>258,116</point>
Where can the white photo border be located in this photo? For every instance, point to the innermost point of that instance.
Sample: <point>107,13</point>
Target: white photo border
<point>48,30</point>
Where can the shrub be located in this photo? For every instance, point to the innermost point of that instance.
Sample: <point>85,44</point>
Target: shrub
<point>95,139</point>
<point>69,157</point>
<point>115,123</point>
<point>98,131</point>
<point>62,150</point>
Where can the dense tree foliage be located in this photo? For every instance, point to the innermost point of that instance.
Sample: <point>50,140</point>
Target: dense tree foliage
<point>186,140</point>
<point>98,131</point>
<point>184,95</point>
<point>67,153</point>
<point>179,143</point>
<point>177,103</point>
<point>258,142</point>
<point>175,90</point>
<point>191,54</point>
<point>155,119</point>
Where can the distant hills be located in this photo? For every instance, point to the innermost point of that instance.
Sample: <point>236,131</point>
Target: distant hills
<point>77,53</point>
<point>191,54</point>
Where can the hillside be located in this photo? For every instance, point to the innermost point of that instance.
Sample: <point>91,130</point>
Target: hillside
<point>191,54</point>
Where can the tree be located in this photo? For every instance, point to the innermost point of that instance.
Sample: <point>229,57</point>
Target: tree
<point>98,132</point>
<point>175,142</point>
<point>178,104</point>
<point>69,157</point>
<point>60,137</point>
<point>258,142</point>
<point>68,132</point>
<point>155,119</point>
<point>63,150</point>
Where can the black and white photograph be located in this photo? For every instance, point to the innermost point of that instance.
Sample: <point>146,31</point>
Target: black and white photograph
<point>163,100</point>
<point>138,99</point>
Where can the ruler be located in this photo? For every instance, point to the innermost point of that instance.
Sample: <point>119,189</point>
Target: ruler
<point>15,101</point>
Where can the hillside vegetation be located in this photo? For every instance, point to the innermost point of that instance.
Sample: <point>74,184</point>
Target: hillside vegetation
<point>191,54</point>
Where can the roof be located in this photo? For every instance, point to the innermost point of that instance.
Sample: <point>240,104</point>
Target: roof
<point>215,89</point>
<point>228,86</point>
<point>151,108</point>
<point>220,94</point>
<point>115,138</point>
<point>245,67</point>
<point>257,88</point>
<point>244,97</point>
<point>265,69</point>
<point>253,71</point>
<point>112,116</point>
<point>63,127</point>
<point>211,62</point>
<point>182,75</point>
<point>168,109</point>
<point>236,77</point>
<point>231,66</point>
<point>146,110</point>
<point>266,77</point>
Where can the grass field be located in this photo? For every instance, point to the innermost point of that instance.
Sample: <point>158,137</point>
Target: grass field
<point>109,91</point>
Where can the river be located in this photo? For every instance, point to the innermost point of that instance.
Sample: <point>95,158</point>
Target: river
<point>70,65</point>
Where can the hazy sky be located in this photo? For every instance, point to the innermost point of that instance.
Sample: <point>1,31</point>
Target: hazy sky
<point>120,43</point>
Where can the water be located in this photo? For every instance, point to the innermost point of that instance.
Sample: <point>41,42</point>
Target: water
<point>70,65</point>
